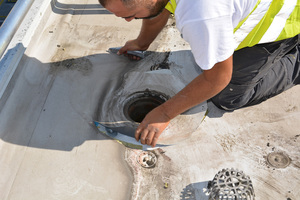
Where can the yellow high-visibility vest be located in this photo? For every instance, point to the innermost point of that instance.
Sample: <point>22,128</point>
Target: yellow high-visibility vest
<point>269,21</point>
<point>171,6</point>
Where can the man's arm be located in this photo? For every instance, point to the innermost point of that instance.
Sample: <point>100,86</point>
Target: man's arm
<point>149,31</point>
<point>203,87</point>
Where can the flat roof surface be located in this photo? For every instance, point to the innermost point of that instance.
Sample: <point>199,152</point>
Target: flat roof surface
<point>50,149</point>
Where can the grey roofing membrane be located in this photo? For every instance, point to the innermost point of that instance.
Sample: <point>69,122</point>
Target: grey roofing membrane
<point>50,148</point>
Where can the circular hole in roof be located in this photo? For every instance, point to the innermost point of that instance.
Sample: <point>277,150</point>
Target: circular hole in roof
<point>139,104</point>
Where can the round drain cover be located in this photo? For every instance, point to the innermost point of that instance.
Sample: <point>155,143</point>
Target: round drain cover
<point>278,160</point>
<point>147,159</point>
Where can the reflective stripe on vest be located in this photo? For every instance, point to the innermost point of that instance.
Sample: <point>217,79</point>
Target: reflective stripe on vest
<point>171,6</point>
<point>269,21</point>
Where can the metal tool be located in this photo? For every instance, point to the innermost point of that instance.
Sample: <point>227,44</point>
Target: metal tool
<point>126,140</point>
<point>115,50</point>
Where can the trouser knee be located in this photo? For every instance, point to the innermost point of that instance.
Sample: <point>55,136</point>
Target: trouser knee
<point>233,97</point>
<point>261,72</point>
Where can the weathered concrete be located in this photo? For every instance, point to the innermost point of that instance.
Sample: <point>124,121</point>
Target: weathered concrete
<point>240,140</point>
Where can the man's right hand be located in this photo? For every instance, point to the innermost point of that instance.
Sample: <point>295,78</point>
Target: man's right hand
<point>150,29</point>
<point>132,45</point>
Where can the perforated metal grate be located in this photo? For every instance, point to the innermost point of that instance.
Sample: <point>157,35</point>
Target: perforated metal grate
<point>230,184</point>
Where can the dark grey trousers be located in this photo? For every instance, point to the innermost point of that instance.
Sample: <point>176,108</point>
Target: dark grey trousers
<point>261,72</point>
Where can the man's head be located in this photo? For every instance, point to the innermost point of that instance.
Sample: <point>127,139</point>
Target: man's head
<point>127,3</point>
<point>134,9</point>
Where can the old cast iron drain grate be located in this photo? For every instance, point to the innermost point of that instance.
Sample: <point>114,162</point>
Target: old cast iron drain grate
<point>140,104</point>
<point>231,184</point>
<point>278,160</point>
<point>147,159</point>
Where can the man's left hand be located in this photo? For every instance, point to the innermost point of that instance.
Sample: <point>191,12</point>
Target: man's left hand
<point>152,126</point>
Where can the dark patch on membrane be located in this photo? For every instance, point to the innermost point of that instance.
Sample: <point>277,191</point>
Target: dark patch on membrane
<point>160,66</point>
<point>82,65</point>
<point>139,104</point>
<point>163,65</point>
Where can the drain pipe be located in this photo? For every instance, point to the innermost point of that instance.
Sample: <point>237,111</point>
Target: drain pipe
<point>12,23</point>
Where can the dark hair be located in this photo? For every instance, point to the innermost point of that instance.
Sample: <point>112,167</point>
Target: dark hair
<point>103,2</point>
<point>127,3</point>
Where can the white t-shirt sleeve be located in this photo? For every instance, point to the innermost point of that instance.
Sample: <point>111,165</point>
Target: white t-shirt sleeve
<point>211,40</point>
<point>208,29</point>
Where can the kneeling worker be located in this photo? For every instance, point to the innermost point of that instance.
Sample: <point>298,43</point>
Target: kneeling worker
<point>248,51</point>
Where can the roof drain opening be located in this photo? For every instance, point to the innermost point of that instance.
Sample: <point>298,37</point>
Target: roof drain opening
<point>147,159</point>
<point>140,104</point>
<point>230,184</point>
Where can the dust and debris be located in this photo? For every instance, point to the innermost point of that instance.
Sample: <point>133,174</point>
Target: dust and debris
<point>172,21</point>
<point>273,149</point>
<point>162,153</point>
<point>291,108</point>
<point>295,138</point>
<point>227,141</point>
<point>156,179</point>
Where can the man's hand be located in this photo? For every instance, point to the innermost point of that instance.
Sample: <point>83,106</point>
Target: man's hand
<point>152,126</point>
<point>132,45</point>
<point>203,87</point>
<point>149,31</point>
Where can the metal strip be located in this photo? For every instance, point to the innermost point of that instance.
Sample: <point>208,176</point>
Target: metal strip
<point>12,23</point>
